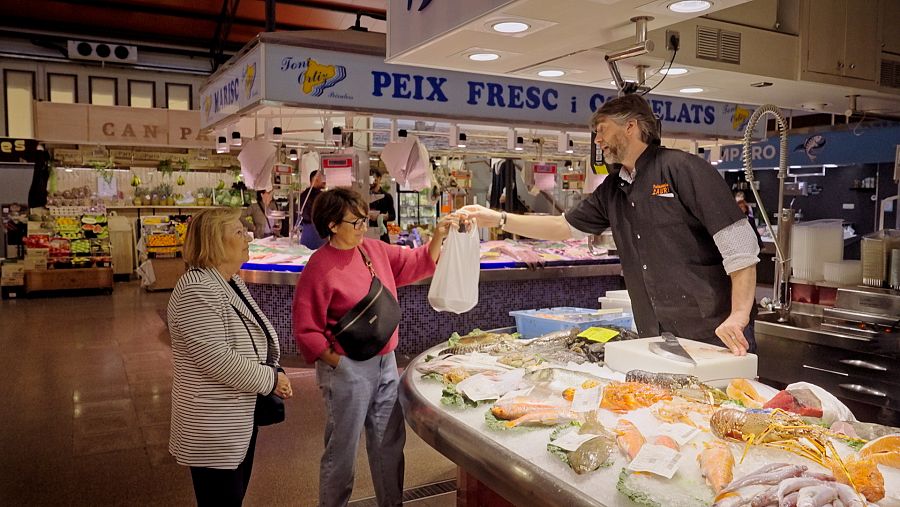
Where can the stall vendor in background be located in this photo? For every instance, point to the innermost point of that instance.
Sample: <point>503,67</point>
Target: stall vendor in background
<point>309,237</point>
<point>381,204</point>
<point>688,252</point>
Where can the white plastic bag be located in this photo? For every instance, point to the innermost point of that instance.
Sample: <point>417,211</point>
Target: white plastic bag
<point>832,408</point>
<point>454,287</point>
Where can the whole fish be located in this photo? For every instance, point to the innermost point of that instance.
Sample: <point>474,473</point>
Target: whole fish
<point>592,454</point>
<point>547,417</point>
<point>716,465</point>
<point>519,407</point>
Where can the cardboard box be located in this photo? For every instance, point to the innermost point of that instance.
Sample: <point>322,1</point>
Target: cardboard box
<point>12,274</point>
<point>36,259</point>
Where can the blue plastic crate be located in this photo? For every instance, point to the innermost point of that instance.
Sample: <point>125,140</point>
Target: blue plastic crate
<point>532,323</point>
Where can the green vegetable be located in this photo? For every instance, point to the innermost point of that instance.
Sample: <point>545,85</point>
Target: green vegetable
<point>429,357</point>
<point>453,341</point>
<point>557,432</point>
<point>450,396</point>
<point>434,376</point>
<point>654,491</point>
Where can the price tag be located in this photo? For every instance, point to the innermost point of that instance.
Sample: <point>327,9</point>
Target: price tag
<point>519,393</point>
<point>680,433</point>
<point>599,334</point>
<point>586,400</point>
<point>572,440</point>
<point>656,459</point>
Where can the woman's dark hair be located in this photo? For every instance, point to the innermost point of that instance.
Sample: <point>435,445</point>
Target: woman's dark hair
<point>331,206</point>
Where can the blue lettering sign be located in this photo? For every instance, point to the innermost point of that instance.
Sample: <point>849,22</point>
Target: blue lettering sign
<point>228,94</point>
<point>408,86</point>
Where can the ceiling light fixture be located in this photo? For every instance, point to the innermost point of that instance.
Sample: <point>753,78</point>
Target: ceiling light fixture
<point>571,147</point>
<point>520,142</point>
<point>692,89</point>
<point>461,142</point>
<point>337,135</point>
<point>674,71</point>
<point>293,154</point>
<point>690,6</point>
<point>483,57</point>
<point>221,145</point>
<point>277,134</point>
<point>236,138</point>
<point>551,73</point>
<point>510,27</point>
<point>402,133</point>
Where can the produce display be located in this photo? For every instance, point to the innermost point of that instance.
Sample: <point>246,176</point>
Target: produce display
<point>80,238</point>
<point>163,235</point>
<point>658,439</point>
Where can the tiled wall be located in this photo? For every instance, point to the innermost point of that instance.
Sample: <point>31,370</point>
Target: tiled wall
<point>422,327</point>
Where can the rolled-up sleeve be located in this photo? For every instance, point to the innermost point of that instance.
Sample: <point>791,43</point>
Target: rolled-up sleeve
<point>738,245</point>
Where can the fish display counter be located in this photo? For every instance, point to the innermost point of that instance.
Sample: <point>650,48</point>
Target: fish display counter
<point>538,432</point>
<point>515,275</point>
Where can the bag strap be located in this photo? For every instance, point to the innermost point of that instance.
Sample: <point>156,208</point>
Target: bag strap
<point>252,341</point>
<point>367,261</point>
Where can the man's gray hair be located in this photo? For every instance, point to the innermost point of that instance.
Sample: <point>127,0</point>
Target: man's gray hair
<point>630,107</point>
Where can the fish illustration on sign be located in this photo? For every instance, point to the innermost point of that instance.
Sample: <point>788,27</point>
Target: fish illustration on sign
<point>811,146</point>
<point>318,77</point>
<point>739,118</point>
<point>207,105</point>
<point>249,78</point>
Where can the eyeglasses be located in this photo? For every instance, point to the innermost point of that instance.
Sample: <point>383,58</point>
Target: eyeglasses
<point>358,224</point>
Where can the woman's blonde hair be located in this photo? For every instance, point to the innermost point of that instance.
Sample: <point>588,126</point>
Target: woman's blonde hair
<point>204,243</point>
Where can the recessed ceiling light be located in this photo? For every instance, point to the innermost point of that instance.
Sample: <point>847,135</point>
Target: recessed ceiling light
<point>510,27</point>
<point>693,89</point>
<point>674,71</point>
<point>690,6</point>
<point>484,57</point>
<point>551,73</point>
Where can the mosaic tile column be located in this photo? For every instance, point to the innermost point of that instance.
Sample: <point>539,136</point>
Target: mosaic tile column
<point>423,328</point>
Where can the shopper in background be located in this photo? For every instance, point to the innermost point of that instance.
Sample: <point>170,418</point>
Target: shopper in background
<point>745,209</point>
<point>259,212</point>
<point>309,237</point>
<point>358,393</point>
<point>221,342</point>
<point>381,205</point>
<point>688,253</point>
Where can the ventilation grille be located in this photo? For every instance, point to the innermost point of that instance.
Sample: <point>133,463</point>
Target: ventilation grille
<point>718,45</point>
<point>890,73</point>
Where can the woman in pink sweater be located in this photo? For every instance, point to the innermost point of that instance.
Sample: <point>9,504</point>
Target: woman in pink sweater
<point>358,393</point>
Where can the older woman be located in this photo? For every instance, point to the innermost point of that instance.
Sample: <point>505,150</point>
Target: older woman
<point>362,392</point>
<point>224,352</point>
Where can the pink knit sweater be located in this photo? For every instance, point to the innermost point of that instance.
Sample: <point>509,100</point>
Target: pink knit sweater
<point>335,280</point>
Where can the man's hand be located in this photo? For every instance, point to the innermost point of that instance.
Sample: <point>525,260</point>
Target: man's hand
<point>731,332</point>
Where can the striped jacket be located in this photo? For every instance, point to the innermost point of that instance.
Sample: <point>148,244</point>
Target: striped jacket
<point>217,374</point>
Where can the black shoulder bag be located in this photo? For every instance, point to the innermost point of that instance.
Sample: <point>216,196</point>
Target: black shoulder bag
<point>369,325</point>
<point>269,407</point>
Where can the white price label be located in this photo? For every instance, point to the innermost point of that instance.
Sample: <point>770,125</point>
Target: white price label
<point>680,433</point>
<point>572,440</point>
<point>656,459</point>
<point>586,400</point>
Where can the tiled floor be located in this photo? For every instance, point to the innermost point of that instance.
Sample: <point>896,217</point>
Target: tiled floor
<point>85,413</point>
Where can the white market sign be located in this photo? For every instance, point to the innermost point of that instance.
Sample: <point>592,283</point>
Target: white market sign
<point>354,82</point>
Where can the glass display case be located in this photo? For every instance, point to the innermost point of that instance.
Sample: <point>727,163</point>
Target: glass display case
<point>416,208</point>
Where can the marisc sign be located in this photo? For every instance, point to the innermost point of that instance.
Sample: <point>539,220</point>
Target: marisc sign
<point>232,90</point>
<point>354,82</point>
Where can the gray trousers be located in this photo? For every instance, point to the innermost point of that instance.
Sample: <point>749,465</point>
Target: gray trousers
<point>361,394</point>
